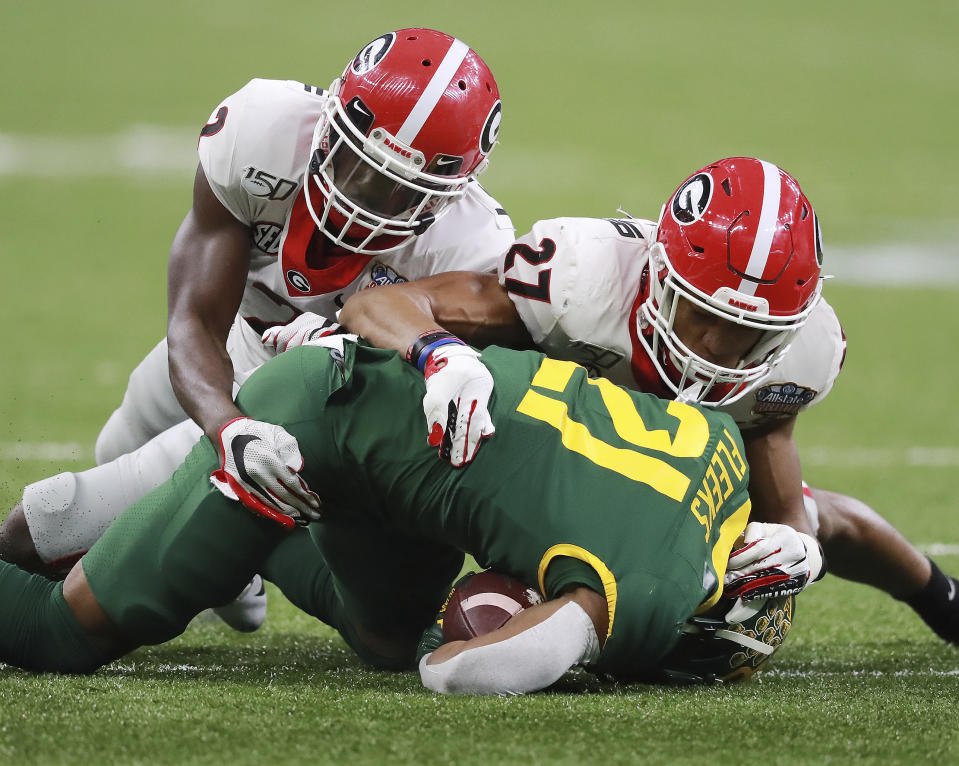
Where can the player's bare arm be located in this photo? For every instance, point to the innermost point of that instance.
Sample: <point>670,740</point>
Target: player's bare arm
<point>775,484</point>
<point>779,554</point>
<point>90,615</point>
<point>209,261</point>
<point>473,306</point>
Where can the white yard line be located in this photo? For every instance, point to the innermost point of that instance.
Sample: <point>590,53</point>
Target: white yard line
<point>155,152</point>
<point>930,673</point>
<point>854,457</point>
<point>45,451</point>
<point>139,150</point>
<point>879,457</point>
<point>863,457</point>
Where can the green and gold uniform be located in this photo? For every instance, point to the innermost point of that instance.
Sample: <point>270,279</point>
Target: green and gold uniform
<point>582,483</point>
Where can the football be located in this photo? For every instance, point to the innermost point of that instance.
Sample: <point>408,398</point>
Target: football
<point>481,603</point>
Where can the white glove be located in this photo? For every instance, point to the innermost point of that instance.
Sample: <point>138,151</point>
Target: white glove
<point>774,560</point>
<point>458,388</point>
<point>304,328</point>
<point>259,467</point>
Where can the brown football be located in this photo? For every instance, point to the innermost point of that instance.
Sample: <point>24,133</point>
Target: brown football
<point>481,603</point>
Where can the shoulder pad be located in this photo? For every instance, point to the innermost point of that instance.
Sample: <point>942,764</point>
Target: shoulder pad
<point>258,132</point>
<point>580,273</point>
<point>803,377</point>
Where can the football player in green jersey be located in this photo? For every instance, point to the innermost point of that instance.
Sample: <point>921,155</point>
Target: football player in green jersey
<point>621,507</point>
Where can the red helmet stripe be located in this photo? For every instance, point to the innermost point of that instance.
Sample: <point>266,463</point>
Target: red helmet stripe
<point>433,92</point>
<point>772,190</point>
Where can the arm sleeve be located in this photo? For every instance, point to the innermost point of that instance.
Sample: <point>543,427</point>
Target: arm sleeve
<point>523,663</point>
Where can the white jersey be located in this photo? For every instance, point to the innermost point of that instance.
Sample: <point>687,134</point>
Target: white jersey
<point>254,152</point>
<point>576,285</point>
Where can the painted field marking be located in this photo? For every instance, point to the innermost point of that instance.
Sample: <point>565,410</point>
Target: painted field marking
<point>156,152</point>
<point>930,673</point>
<point>45,451</point>
<point>881,457</point>
<point>854,457</point>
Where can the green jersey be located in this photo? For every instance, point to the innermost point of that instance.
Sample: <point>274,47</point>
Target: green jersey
<point>582,483</point>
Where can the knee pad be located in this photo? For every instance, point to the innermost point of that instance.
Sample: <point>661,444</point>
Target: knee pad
<point>48,508</point>
<point>67,513</point>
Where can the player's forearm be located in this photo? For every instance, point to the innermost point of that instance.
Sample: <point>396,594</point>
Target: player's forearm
<point>388,317</point>
<point>775,478</point>
<point>202,376</point>
<point>470,305</point>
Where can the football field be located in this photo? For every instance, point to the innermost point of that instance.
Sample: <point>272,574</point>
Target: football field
<point>606,106</point>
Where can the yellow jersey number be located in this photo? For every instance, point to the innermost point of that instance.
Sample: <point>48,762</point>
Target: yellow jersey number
<point>690,438</point>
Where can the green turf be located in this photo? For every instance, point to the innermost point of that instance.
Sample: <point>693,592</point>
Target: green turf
<point>605,105</point>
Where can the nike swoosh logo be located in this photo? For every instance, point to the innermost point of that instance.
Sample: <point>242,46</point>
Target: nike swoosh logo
<point>952,589</point>
<point>358,106</point>
<point>238,446</point>
<point>446,162</point>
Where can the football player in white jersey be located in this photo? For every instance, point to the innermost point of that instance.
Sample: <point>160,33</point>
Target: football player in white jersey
<point>302,197</point>
<point>728,313</point>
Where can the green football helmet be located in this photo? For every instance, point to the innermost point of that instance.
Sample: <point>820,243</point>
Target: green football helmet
<point>729,643</point>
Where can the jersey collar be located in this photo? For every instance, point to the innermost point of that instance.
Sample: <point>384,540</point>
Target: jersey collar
<point>330,268</point>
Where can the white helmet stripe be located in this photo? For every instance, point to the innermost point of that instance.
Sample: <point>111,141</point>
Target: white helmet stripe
<point>433,92</point>
<point>772,190</point>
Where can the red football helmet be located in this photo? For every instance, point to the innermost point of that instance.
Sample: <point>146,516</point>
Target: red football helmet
<point>409,123</point>
<point>740,240</point>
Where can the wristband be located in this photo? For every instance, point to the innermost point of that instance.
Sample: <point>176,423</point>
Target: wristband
<point>420,350</point>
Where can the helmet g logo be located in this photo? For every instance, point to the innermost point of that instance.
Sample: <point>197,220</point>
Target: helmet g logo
<point>491,128</point>
<point>692,199</point>
<point>373,53</point>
